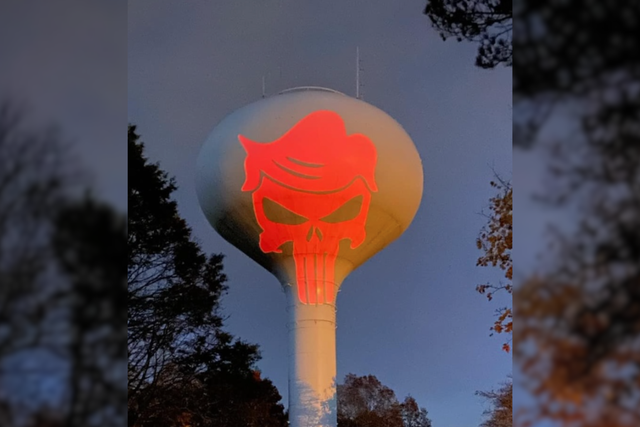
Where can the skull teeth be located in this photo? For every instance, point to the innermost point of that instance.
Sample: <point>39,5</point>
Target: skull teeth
<point>315,281</point>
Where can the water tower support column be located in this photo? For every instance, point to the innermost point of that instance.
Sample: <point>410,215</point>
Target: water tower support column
<point>312,362</point>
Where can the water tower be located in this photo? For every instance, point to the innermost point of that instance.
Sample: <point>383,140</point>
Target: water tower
<point>310,184</point>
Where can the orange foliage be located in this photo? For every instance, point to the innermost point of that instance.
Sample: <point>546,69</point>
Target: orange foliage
<point>575,382</point>
<point>496,240</point>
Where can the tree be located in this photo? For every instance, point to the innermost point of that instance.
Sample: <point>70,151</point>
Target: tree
<point>173,288</point>
<point>90,246</point>
<point>182,365</point>
<point>589,292</point>
<point>413,415</point>
<point>248,400</point>
<point>214,399</point>
<point>553,36</point>
<point>34,181</point>
<point>496,242</point>
<point>486,22</point>
<point>501,412</point>
<point>578,319</point>
<point>366,402</point>
<point>46,417</point>
<point>552,69</point>
<point>62,288</point>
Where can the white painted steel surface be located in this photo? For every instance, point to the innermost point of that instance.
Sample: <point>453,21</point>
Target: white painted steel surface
<point>312,362</point>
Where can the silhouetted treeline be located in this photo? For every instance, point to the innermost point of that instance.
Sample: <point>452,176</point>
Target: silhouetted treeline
<point>184,369</point>
<point>62,286</point>
<point>363,401</point>
<point>578,319</point>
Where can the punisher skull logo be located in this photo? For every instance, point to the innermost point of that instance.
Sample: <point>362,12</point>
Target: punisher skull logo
<point>311,187</point>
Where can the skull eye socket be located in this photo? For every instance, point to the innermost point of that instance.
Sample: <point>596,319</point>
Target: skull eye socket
<point>275,212</point>
<point>346,212</point>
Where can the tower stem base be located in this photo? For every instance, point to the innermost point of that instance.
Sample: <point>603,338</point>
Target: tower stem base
<point>312,362</point>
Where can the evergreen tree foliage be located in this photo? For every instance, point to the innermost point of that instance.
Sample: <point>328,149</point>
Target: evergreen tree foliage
<point>184,369</point>
<point>486,22</point>
<point>90,246</point>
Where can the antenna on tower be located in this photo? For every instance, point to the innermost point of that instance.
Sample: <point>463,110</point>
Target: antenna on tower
<point>357,72</point>
<point>358,69</point>
<point>263,87</point>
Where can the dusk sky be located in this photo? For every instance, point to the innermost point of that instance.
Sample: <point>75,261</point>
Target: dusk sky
<point>410,315</point>
<point>66,62</point>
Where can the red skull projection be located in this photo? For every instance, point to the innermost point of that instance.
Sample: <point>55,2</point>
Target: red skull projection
<point>312,187</point>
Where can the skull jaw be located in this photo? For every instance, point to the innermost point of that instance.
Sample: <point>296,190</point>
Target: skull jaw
<point>317,269</point>
<point>315,277</point>
<point>320,290</point>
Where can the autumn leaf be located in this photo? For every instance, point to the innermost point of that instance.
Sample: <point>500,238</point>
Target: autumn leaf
<point>495,241</point>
